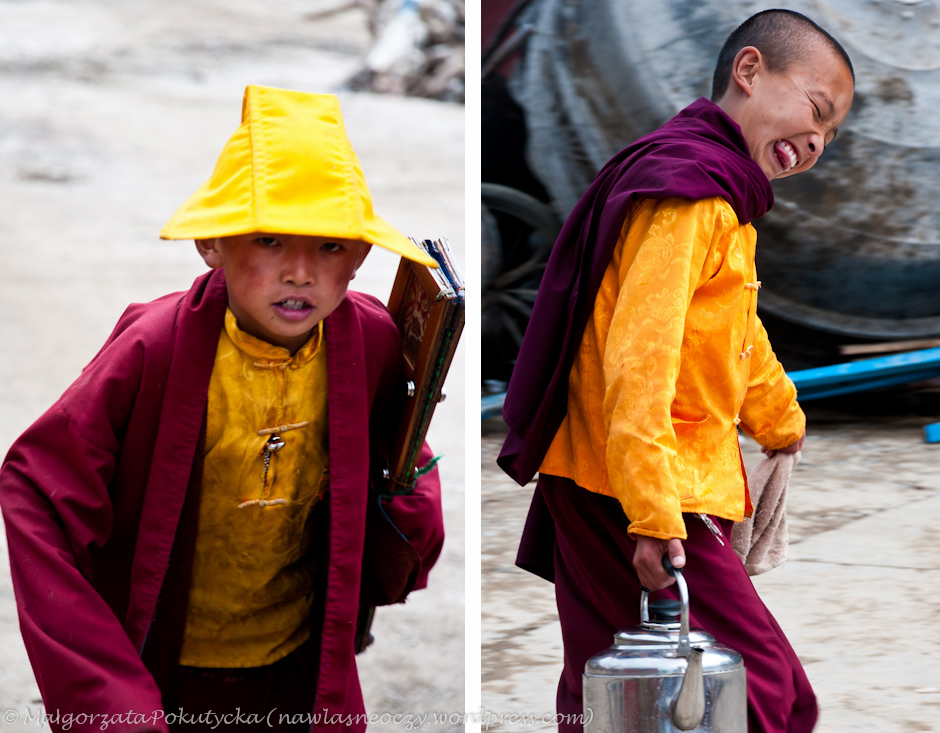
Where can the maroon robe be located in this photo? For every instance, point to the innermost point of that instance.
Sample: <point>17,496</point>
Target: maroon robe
<point>92,495</point>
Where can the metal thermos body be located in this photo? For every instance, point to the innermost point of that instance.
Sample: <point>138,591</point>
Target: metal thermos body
<point>635,686</point>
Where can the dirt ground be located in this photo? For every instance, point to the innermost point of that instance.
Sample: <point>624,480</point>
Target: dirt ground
<point>858,596</point>
<point>112,114</point>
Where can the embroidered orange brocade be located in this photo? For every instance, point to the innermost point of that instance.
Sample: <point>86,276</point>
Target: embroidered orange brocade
<point>672,359</point>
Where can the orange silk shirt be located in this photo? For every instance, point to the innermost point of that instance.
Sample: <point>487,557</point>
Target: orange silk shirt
<point>252,584</point>
<point>672,360</point>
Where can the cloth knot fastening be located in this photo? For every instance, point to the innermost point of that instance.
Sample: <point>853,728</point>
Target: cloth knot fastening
<point>752,286</point>
<point>262,502</point>
<point>747,352</point>
<point>273,444</point>
<point>284,428</point>
<point>282,365</point>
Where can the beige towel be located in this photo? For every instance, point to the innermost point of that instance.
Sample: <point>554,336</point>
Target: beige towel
<point>761,540</point>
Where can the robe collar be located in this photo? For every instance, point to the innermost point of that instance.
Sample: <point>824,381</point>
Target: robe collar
<point>270,353</point>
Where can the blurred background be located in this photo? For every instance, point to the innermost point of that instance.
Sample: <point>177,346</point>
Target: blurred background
<point>850,269</point>
<point>849,254</point>
<point>111,115</point>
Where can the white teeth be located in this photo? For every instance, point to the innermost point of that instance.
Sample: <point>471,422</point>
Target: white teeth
<point>293,304</point>
<point>788,149</point>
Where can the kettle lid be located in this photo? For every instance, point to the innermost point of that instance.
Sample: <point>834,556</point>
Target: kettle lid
<point>660,628</point>
<point>663,615</point>
<point>665,610</point>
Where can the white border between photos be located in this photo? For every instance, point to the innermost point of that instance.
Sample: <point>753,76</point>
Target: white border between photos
<point>471,340</point>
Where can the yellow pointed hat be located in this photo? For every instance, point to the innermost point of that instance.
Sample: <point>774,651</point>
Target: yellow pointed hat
<point>288,169</point>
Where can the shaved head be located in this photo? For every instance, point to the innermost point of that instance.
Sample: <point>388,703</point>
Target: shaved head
<point>782,37</point>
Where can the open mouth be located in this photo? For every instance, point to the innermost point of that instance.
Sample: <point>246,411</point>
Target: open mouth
<point>294,305</point>
<point>786,154</point>
<point>293,309</point>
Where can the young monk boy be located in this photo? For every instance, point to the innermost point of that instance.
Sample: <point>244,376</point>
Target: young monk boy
<point>186,524</point>
<point>650,300</point>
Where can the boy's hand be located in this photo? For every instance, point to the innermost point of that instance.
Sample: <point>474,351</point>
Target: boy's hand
<point>792,448</point>
<point>648,561</point>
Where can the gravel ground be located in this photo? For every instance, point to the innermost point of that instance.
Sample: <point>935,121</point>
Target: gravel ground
<point>112,114</point>
<point>858,596</point>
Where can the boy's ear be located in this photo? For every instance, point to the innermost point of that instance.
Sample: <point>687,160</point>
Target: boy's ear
<point>747,64</point>
<point>208,249</point>
<point>364,249</point>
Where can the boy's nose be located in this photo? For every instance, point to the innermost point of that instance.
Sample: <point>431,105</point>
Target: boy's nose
<point>816,145</point>
<point>298,269</point>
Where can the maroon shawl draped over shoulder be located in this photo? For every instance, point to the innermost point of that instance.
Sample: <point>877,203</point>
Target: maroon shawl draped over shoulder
<point>700,153</point>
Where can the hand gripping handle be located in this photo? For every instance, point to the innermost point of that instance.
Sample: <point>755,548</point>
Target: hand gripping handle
<point>684,643</point>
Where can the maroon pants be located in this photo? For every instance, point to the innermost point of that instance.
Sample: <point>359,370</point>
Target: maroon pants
<point>278,697</point>
<point>584,537</point>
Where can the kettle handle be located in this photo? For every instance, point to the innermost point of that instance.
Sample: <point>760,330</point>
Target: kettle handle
<point>685,645</point>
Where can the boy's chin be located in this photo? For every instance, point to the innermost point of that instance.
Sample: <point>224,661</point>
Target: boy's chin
<point>775,174</point>
<point>301,335</point>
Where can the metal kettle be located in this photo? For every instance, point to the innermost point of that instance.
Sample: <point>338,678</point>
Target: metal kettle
<point>661,676</point>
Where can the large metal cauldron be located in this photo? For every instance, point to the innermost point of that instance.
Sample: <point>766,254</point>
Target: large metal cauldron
<point>661,676</point>
<point>851,248</point>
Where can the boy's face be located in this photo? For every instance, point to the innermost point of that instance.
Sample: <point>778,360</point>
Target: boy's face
<point>280,286</point>
<point>789,117</point>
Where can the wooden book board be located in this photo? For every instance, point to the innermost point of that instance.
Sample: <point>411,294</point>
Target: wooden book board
<point>428,307</point>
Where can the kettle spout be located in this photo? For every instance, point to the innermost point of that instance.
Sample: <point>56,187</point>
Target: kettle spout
<point>688,710</point>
